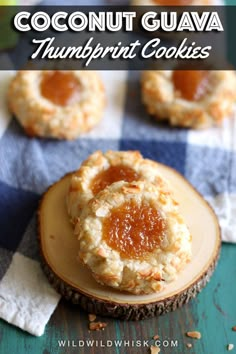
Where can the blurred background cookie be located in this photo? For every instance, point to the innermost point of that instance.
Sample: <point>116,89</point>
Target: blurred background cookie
<point>133,238</point>
<point>189,98</point>
<point>57,104</point>
<point>102,169</point>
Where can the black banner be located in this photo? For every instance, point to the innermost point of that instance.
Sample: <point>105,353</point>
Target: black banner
<point>117,38</point>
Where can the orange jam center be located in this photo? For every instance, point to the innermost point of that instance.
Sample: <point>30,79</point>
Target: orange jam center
<point>111,175</point>
<point>173,2</point>
<point>191,84</point>
<point>60,87</point>
<point>134,231</point>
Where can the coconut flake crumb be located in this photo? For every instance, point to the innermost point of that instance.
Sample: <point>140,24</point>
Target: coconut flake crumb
<point>230,346</point>
<point>194,334</point>
<point>189,345</point>
<point>156,337</point>
<point>96,326</point>
<point>154,350</point>
<point>91,317</point>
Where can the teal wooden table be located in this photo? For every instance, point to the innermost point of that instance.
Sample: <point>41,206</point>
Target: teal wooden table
<point>213,313</point>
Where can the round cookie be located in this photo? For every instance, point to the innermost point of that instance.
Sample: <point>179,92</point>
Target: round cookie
<point>57,104</point>
<point>101,170</point>
<point>193,99</point>
<point>132,237</point>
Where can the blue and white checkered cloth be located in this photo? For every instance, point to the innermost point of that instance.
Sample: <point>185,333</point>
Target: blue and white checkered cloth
<point>28,166</point>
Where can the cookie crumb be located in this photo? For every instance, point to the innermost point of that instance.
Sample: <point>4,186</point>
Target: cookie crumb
<point>154,350</point>
<point>234,328</point>
<point>230,347</point>
<point>91,317</point>
<point>96,326</point>
<point>156,337</point>
<point>189,345</point>
<point>194,334</point>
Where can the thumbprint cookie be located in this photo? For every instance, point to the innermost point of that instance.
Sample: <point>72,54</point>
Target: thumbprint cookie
<point>57,104</point>
<point>133,238</point>
<point>189,98</point>
<point>103,169</point>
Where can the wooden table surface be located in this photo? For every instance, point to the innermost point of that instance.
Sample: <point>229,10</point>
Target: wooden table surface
<point>212,312</point>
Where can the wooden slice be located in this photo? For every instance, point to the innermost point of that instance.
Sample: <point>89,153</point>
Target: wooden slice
<point>59,249</point>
